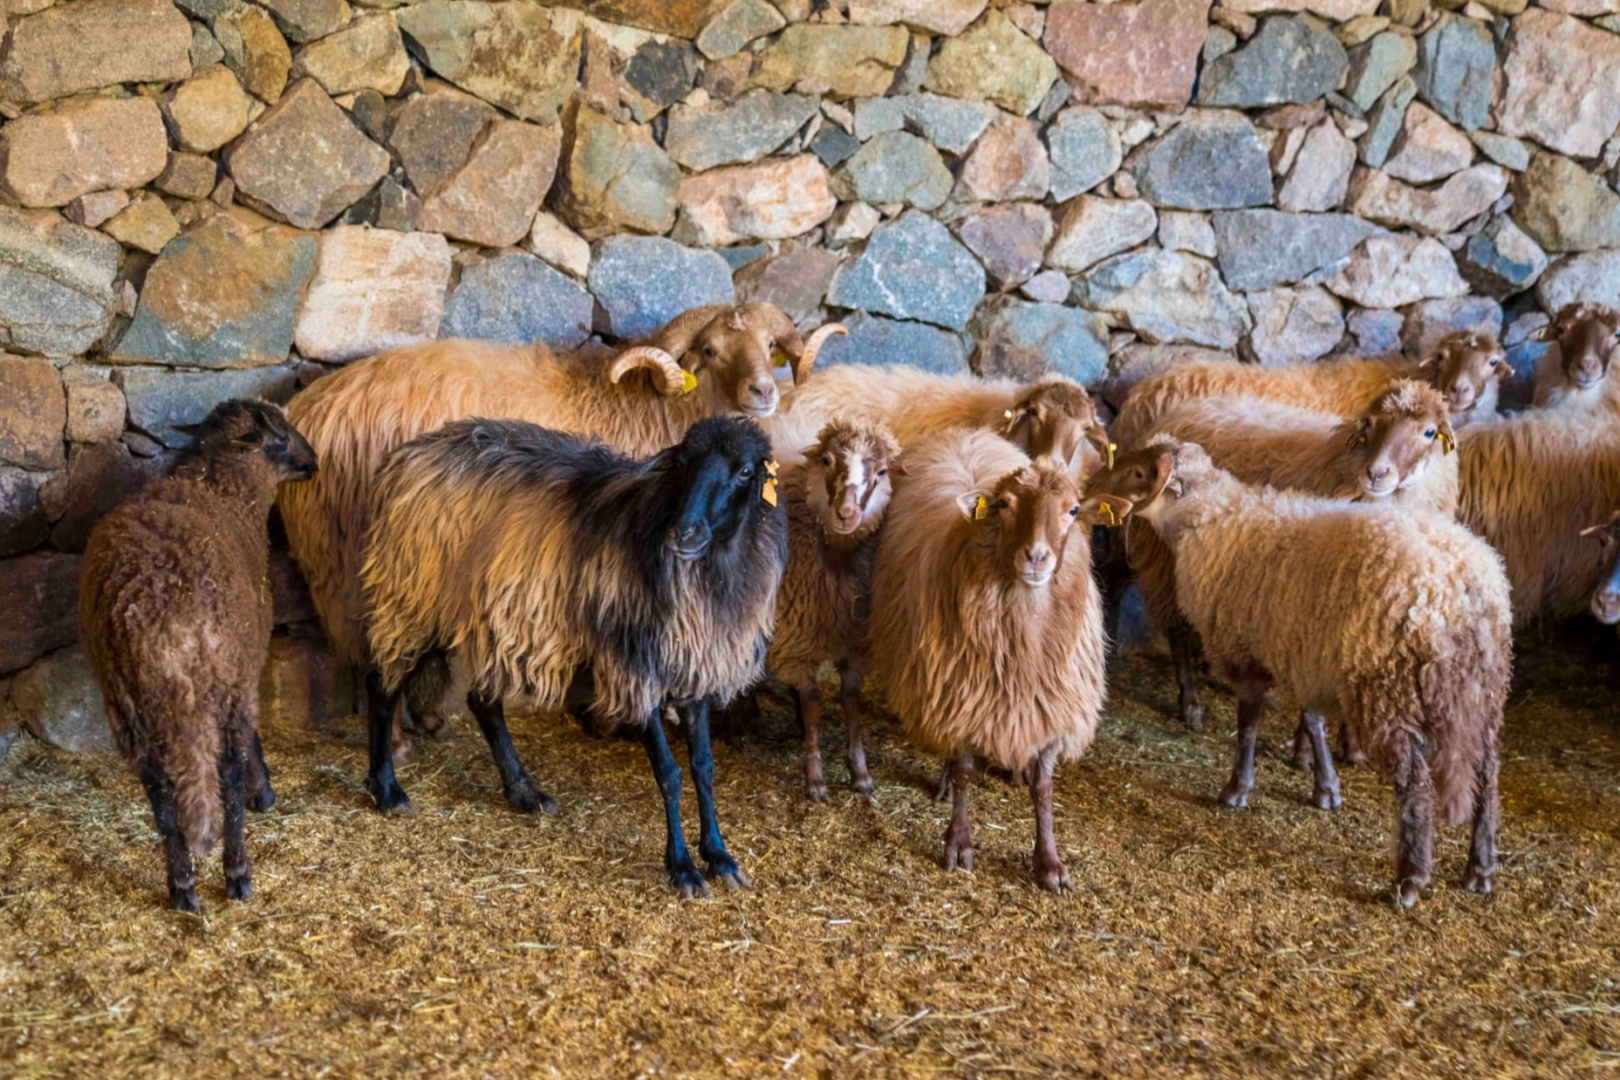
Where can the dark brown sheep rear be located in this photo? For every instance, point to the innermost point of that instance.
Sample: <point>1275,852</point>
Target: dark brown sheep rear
<point>174,611</point>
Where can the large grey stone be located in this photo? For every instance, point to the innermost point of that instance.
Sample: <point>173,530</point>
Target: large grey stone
<point>1090,229</point>
<point>614,177</point>
<point>1261,249</point>
<point>433,132</point>
<point>1501,259</point>
<point>304,160</point>
<point>492,199</point>
<point>160,400</point>
<point>1375,66</point>
<point>39,593</point>
<point>83,46</point>
<point>912,269</point>
<point>1564,207</point>
<point>662,71</point>
<point>1293,325</point>
<point>517,298</point>
<point>739,23</point>
<point>221,295</point>
<point>56,282</point>
<point>642,282</point>
<point>875,340</point>
<point>1287,62</point>
<point>1430,321</point>
<point>1166,297</point>
<point>520,55</point>
<point>58,701</point>
<point>704,136</point>
<point>1026,341</point>
<point>1377,196</point>
<point>1563,84</point>
<point>1320,176</point>
<point>1456,70</point>
<point>1010,240</point>
<point>52,156</point>
<point>843,61</point>
<point>898,167</point>
<point>1085,151</point>
<point>23,524</point>
<point>996,62</point>
<point>1395,269</point>
<point>795,280</point>
<point>1213,160</point>
<point>1592,277</point>
<point>950,124</point>
<point>307,20</point>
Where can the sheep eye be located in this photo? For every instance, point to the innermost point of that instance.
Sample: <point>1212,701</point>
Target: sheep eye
<point>1429,434</point>
<point>1032,412</point>
<point>747,473</point>
<point>708,350</point>
<point>1495,360</point>
<point>827,460</point>
<point>1074,512</point>
<point>883,472</point>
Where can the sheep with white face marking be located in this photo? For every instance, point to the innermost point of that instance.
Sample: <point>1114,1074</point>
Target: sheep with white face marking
<point>987,633</point>
<point>534,555</point>
<point>1573,373</point>
<point>1050,417</point>
<point>1466,368</point>
<point>1396,623</point>
<point>174,613</point>
<point>713,360</point>
<point>1605,605</point>
<point>835,501</point>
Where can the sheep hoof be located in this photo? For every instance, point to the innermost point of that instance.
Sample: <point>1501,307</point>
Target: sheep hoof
<point>262,800</point>
<point>1477,881</point>
<point>184,899</point>
<point>725,869</point>
<point>1409,893</point>
<point>1054,879</point>
<point>958,855</point>
<point>528,799</point>
<point>1192,717</point>
<point>393,802</point>
<point>817,792</point>
<point>688,881</point>
<point>1328,798</point>
<point>1234,796</point>
<point>863,785</point>
<point>238,888</point>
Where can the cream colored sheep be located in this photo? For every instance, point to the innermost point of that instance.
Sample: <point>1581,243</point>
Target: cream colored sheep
<point>1396,623</point>
<point>1573,372</point>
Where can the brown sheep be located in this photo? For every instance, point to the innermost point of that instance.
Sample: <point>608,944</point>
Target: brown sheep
<point>835,501</point>
<point>1605,604</point>
<point>1396,622</point>
<point>174,612</point>
<point>987,633</point>
<point>1339,387</point>
<point>710,360</point>
<point>1574,371</point>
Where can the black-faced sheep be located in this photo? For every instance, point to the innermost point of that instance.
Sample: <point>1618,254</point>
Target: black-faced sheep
<point>1574,371</point>
<point>1464,367</point>
<point>174,613</point>
<point>835,499</point>
<point>1051,417</point>
<point>709,361</point>
<point>1397,623</point>
<point>533,554</point>
<point>987,633</point>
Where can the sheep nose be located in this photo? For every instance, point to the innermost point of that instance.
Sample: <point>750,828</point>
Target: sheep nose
<point>1606,606</point>
<point>849,513</point>
<point>689,537</point>
<point>1462,393</point>
<point>1377,474</point>
<point>762,393</point>
<point>1038,556</point>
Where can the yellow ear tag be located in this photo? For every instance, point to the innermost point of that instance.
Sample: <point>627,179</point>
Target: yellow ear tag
<point>1447,443</point>
<point>770,468</point>
<point>768,491</point>
<point>1105,514</point>
<point>1008,414</point>
<point>688,382</point>
<point>981,509</point>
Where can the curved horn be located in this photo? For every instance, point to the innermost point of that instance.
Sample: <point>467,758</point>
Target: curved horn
<point>818,338</point>
<point>669,376</point>
<point>678,334</point>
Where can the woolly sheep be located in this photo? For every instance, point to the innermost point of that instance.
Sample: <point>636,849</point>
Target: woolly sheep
<point>1397,623</point>
<point>174,614</point>
<point>835,502</point>
<point>1573,372</point>
<point>534,555</point>
<point>987,632</point>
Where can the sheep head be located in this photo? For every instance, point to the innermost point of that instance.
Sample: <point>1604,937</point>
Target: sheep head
<point>849,477</point>
<point>1587,336</point>
<point>1606,597</point>
<point>1031,511</point>
<point>1463,365</point>
<point>727,478</point>
<point>729,352</point>
<point>245,427</point>
<point>1153,476</point>
<point>1052,417</point>
<point>1393,442</point>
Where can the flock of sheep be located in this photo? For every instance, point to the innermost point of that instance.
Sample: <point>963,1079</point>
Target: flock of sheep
<point>647,532</point>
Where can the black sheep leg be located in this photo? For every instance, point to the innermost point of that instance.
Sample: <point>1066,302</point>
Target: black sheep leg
<point>232,783</point>
<point>711,845</point>
<point>176,858</point>
<point>1487,804</point>
<point>1184,656</point>
<point>1236,792</point>
<point>515,780</point>
<point>261,796</point>
<point>391,798</point>
<point>683,873</point>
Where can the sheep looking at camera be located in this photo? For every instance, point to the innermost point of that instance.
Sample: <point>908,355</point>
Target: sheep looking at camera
<point>1573,373</point>
<point>174,613</point>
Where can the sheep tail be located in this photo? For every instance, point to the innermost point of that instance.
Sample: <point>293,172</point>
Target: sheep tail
<point>426,686</point>
<point>1463,699</point>
<point>192,763</point>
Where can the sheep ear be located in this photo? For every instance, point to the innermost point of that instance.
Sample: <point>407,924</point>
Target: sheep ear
<point>897,469</point>
<point>1163,477</point>
<point>1544,332</point>
<point>974,506</point>
<point>1504,370</point>
<point>1109,510</point>
<point>249,440</point>
<point>810,451</point>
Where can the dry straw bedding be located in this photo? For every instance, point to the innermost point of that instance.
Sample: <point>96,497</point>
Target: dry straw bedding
<point>475,942</point>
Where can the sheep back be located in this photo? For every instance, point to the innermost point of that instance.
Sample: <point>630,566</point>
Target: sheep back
<point>968,660</point>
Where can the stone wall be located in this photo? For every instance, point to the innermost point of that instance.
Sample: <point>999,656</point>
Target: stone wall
<point>205,198</point>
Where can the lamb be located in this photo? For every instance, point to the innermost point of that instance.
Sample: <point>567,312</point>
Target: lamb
<point>835,501</point>
<point>710,360</point>
<point>1399,450</point>
<point>1052,417</point>
<point>534,554</point>
<point>1573,373</point>
<point>1397,623</point>
<point>1528,483</point>
<point>1467,368</point>
<point>987,631</point>
<point>174,614</point>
